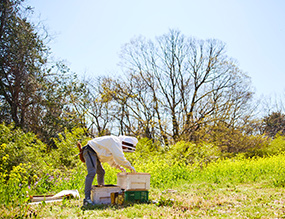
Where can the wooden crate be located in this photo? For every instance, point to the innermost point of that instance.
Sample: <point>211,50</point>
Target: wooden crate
<point>136,196</point>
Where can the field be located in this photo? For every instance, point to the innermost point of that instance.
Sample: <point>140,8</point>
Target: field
<point>188,201</point>
<point>229,188</point>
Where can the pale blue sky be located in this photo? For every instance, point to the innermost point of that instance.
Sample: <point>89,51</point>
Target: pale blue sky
<point>90,33</point>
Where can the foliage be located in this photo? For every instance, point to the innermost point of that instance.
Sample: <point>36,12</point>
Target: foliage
<point>274,123</point>
<point>23,54</point>
<point>20,148</point>
<point>181,165</point>
<point>146,145</point>
<point>175,87</point>
<point>66,150</point>
<point>276,146</point>
<point>35,96</point>
<point>60,94</point>
<point>192,153</point>
<point>231,140</point>
<point>26,166</point>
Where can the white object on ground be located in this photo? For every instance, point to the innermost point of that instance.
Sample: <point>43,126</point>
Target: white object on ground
<point>57,197</point>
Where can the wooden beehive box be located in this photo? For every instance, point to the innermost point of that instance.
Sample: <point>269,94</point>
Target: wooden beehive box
<point>133,181</point>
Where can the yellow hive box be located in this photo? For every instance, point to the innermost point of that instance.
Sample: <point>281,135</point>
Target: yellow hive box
<point>117,198</point>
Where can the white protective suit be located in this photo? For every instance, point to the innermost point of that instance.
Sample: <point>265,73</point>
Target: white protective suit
<point>109,150</point>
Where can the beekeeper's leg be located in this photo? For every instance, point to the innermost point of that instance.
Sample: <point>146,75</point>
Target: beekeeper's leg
<point>100,173</point>
<point>91,163</point>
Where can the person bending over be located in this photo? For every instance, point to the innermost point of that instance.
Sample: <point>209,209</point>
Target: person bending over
<point>107,149</point>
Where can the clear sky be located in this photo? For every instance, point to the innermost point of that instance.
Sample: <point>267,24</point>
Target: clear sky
<point>89,34</point>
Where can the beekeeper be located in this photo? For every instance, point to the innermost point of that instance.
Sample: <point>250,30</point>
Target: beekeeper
<point>107,149</point>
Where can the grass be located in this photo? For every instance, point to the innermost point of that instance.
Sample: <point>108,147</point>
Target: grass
<point>255,200</point>
<point>232,188</point>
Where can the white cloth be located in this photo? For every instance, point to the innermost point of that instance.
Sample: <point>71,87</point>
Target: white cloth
<point>109,150</point>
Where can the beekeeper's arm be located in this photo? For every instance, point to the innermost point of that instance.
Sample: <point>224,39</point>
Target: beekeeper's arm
<point>119,159</point>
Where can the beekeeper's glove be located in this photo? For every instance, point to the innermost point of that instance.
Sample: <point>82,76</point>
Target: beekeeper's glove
<point>133,170</point>
<point>122,169</point>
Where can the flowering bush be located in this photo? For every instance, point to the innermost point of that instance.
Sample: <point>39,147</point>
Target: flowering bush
<point>27,169</point>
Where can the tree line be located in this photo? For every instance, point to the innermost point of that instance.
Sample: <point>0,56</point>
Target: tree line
<point>171,88</point>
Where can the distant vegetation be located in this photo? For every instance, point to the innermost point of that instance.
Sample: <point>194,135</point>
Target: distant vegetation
<point>27,168</point>
<point>190,105</point>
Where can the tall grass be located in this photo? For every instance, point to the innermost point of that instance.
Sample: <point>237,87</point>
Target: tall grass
<point>167,174</point>
<point>164,174</point>
<point>245,170</point>
<point>270,171</point>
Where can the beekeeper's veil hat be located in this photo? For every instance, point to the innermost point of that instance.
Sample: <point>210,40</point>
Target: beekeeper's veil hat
<point>128,143</point>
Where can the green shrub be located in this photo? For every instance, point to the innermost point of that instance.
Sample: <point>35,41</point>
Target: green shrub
<point>276,146</point>
<point>191,153</point>
<point>19,148</point>
<point>66,148</point>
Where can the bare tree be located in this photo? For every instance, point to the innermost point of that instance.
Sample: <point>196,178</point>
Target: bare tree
<point>189,82</point>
